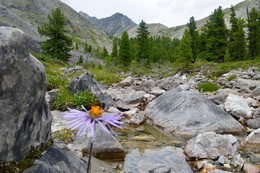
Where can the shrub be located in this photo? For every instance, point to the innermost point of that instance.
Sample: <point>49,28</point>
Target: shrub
<point>207,87</point>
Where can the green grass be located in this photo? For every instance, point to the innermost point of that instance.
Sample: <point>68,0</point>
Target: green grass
<point>65,100</point>
<point>232,77</point>
<point>111,75</point>
<point>105,76</point>
<point>208,87</point>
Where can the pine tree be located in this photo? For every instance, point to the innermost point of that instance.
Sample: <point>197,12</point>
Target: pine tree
<point>59,44</point>
<point>143,42</point>
<point>185,49</point>
<point>216,34</point>
<point>254,32</point>
<point>194,37</point>
<point>124,50</point>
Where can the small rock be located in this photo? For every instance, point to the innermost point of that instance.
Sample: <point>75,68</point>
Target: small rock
<point>255,92</point>
<point>218,171</point>
<point>138,118</point>
<point>237,106</point>
<point>257,113</point>
<point>237,161</point>
<point>253,123</point>
<point>253,138</point>
<point>157,91</point>
<point>249,168</point>
<point>221,160</point>
<point>126,82</point>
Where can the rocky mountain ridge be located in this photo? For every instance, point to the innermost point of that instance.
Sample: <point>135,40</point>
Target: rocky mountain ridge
<point>27,15</point>
<point>117,23</point>
<point>158,29</point>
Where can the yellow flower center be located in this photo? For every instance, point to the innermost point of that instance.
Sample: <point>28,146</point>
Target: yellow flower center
<point>95,112</point>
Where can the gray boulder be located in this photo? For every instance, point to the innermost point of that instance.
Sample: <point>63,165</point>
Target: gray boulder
<point>188,113</point>
<point>211,146</point>
<point>87,82</point>
<point>164,160</point>
<point>237,106</point>
<point>58,158</point>
<point>25,117</point>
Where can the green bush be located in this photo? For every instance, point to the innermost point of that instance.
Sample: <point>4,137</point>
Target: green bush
<point>207,87</point>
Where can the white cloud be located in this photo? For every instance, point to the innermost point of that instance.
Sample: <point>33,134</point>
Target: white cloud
<point>168,12</point>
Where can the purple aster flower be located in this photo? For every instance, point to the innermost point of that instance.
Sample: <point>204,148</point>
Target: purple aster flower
<point>82,121</point>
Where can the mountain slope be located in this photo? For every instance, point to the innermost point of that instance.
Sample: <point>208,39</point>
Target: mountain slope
<point>153,29</point>
<point>113,25</point>
<point>27,15</point>
<point>240,9</point>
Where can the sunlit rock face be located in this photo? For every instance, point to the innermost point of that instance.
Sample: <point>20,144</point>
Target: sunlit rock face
<point>25,119</point>
<point>188,113</point>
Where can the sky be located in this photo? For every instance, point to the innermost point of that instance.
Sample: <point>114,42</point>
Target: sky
<point>167,12</point>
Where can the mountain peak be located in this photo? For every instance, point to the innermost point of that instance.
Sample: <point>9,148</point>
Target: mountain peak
<point>113,25</point>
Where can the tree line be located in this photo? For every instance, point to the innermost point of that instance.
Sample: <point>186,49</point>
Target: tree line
<point>214,42</point>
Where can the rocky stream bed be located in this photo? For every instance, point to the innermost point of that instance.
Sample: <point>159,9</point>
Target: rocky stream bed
<point>170,126</point>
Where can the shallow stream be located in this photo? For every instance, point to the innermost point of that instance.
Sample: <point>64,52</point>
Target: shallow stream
<point>148,137</point>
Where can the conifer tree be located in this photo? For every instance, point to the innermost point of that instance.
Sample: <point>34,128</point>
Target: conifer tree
<point>202,43</point>
<point>114,52</point>
<point>185,49</point>
<point>254,32</point>
<point>240,41</point>
<point>143,42</point>
<point>194,37</point>
<point>58,43</point>
<point>216,34</point>
<point>236,41</point>
<point>104,53</point>
<point>124,50</point>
